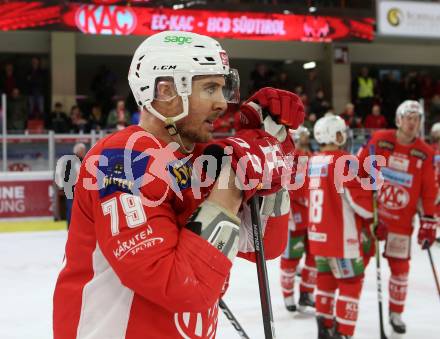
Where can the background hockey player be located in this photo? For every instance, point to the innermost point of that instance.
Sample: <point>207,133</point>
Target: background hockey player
<point>146,257</point>
<point>337,203</point>
<point>297,243</point>
<point>435,143</point>
<point>409,176</point>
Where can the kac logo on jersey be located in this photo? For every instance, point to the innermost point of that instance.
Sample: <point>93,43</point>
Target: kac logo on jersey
<point>393,197</point>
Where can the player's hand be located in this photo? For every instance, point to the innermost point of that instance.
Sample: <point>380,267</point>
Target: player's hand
<point>285,108</point>
<point>427,230</point>
<point>381,231</point>
<point>256,158</point>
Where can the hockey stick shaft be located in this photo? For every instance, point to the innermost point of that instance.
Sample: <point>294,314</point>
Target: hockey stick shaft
<point>434,271</point>
<point>266,306</point>
<point>228,314</point>
<point>372,152</point>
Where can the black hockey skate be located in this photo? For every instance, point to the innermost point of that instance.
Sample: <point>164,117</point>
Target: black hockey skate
<point>323,332</point>
<point>289,303</point>
<point>305,301</point>
<point>397,323</point>
<point>341,336</point>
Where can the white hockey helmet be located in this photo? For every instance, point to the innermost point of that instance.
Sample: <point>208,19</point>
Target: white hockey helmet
<point>326,129</point>
<point>296,133</point>
<point>435,131</point>
<point>407,107</point>
<point>181,56</point>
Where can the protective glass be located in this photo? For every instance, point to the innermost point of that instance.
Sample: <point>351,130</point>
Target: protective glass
<point>230,92</point>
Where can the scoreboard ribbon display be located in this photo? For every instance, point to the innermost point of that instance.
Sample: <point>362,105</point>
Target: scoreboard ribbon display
<point>135,20</point>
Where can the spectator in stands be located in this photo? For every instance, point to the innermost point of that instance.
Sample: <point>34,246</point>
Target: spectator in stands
<point>103,86</point>
<point>412,86</point>
<point>118,117</point>
<point>17,111</point>
<point>96,119</point>
<point>313,85</point>
<point>36,82</point>
<point>299,90</point>
<point>261,77</point>
<point>77,123</point>
<point>391,92</point>
<point>319,105</point>
<point>375,119</point>
<point>8,82</point>
<point>283,81</point>
<point>363,89</point>
<point>80,151</point>
<point>58,121</point>
<point>434,109</point>
<point>309,121</point>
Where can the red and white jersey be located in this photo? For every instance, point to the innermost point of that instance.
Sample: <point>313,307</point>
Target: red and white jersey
<point>131,269</point>
<point>437,170</point>
<point>335,206</point>
<point>299,198</point>
<point>409,177</point>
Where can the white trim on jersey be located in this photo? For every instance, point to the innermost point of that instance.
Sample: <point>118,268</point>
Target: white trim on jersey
<point>307,285</point>
<point>325,294</point>
<point>106,303</point>
<point>399,282</point>
<point>397,302</point>
<point>345,321</point>
<point>312,269</point>
<point>348,299</point>
<point>325,315</point>
<point>351,250</point>
<point>357,208</point>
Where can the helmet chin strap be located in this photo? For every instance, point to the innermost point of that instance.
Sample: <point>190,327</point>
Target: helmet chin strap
<point>170,123</point>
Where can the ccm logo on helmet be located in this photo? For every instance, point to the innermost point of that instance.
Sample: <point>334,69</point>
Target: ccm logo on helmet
<point>180,40</point>
<point>164,67</point>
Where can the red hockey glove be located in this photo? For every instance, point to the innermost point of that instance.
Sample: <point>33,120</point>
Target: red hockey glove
<point>427,230</point>
<point>381,231</point>
<point>256,158</point>
<point>284,107</point>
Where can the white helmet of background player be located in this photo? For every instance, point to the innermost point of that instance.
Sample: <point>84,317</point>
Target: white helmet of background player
<point>435,132</point>
<point>407,107</point>
<point>326,130</point>
<point>180,56</point>
<point>296,133</point>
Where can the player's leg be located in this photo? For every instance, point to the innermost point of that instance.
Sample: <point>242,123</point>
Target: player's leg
<point>308,281</point>
<point>289,262</point>
<point>398,287</point>
<point>349,274</point>
<point>397,252</point>
<point>326,286</point>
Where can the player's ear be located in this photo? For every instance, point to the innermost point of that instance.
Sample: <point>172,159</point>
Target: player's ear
<point>165,90</point>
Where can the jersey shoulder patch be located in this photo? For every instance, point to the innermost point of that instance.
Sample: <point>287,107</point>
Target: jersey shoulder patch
<point>121,170</point>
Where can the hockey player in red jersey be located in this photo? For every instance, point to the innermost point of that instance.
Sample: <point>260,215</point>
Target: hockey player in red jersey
<point>154,234</point>
<point>435,143</point>
<point>409,177</point>
<point>337,204</point>
<point>297,243</point>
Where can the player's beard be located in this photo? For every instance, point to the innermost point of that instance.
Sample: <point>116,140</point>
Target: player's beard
<point>192,134</point>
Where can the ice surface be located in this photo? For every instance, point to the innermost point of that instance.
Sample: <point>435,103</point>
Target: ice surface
<point>29,264</point>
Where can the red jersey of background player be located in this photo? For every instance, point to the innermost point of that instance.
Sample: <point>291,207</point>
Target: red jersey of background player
<point>339,235</point>
<point>408,176</point>
<point>299,197</point>
<point>153,277</point>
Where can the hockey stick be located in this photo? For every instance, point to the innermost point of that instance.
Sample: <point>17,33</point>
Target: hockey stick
<point>372,152</point>
<point>434,271</point>
<point>266,306</point>
<point>228,314</point>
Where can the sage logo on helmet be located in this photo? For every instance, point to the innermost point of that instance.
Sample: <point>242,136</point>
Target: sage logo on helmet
<point>180,40</point>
